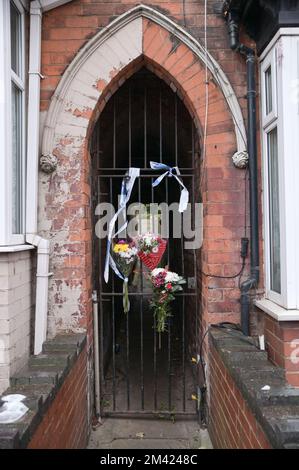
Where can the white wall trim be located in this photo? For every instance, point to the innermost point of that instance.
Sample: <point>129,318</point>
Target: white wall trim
<point>33,118</point>
<point>276,311</point>
<point>57,104</point>
<point>14,248</point>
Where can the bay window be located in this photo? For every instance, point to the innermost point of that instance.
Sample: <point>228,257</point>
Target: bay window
<point>280,156</point>
<point>12,123</point>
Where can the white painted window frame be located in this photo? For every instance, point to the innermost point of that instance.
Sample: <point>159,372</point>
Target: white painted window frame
<point>7,76</point>
<point>284,59</point>
<point>269,61</point>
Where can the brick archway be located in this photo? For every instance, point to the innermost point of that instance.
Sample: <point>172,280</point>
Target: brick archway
<point>98,70</point>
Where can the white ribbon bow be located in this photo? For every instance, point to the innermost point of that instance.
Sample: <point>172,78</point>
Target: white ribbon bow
<point>126,190</point>
<point>184,199</point>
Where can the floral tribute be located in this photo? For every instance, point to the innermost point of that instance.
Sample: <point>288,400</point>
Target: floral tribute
<point>150,249</point>
<point>165,285</point>
<point>124,254</point>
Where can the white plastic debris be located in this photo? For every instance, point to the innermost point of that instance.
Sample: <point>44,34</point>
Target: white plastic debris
<point>266,388</point>
<point>262,342</point>
<point>13,409</point>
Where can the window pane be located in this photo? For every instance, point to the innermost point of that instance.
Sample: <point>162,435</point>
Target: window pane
<point>16,112</point>
<point>268,91</point>
<point>15,38</point>
<point>274,212</point>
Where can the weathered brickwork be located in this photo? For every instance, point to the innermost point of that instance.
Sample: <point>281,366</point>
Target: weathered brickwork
<point>65,425</point>
<point>282,342</point>
<point>65,195</point>
<point>66,29</point>
<point>231,423</point>
<point>16,305</point>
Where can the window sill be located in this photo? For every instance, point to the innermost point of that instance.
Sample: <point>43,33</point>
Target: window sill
<point>14,248</point>
<point>277,312</point>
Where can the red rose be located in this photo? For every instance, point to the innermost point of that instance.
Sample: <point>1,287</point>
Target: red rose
<point>168,286</point>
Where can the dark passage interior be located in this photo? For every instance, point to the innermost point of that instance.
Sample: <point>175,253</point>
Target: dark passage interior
<point>141,371</point>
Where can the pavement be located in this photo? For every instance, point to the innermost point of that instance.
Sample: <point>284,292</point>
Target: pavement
<point>124,433</point>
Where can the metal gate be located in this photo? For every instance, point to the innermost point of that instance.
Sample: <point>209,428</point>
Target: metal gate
<point>143,373</point>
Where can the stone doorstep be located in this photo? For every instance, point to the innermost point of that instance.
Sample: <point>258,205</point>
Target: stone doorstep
<point>141,433</point>
<point>276,410</point>
<point>40,382</point>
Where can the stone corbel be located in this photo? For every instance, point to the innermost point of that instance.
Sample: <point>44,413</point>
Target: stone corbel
<point>48,163</point>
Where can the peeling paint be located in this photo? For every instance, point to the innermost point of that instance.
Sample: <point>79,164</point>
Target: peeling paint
<point>114,72</point>
<point>100,84</point>
<point>85,113</point>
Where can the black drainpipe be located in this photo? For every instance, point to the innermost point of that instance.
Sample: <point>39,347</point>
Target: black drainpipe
<point>252,281</point>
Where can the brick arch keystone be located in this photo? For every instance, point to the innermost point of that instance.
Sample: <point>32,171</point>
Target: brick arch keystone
<point>64,212</point>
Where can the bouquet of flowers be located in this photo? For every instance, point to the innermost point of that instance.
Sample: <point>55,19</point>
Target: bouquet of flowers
<point>165,284</point>
<point>124,254</point>
<point>150,249</point>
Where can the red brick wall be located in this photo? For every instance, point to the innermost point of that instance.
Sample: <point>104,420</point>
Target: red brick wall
<point>282,343</point>
<point>65,30</point>
<point>65,424</point>
<point>231,423</point>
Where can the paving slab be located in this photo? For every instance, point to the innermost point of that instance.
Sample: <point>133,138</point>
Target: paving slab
<point>149,434</point>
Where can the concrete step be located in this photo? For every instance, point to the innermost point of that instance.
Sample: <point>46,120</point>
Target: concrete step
<point>62,343</point>
<point>29,376</point>
<point>117,433</point>
<point>49,360</point>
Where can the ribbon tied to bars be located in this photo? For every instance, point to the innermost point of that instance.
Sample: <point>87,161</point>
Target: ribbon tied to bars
<point>175,173</point>
<point>126,190</point>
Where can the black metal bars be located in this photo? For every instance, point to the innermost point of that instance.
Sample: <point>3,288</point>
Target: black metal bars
<point>141,375</point>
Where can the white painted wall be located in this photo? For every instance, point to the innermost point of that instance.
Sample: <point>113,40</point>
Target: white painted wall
<point>16,308</point>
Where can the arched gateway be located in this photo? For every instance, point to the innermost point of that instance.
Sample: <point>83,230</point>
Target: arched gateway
<point>138,45</point>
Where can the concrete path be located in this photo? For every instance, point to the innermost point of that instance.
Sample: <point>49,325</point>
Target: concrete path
<point>149,434</point>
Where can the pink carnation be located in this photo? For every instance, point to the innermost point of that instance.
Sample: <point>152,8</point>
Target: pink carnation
<point>159,279</point>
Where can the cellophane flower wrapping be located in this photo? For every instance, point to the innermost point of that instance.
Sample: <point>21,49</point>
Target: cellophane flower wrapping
<point>124,254</point>
<point>150,249</point>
